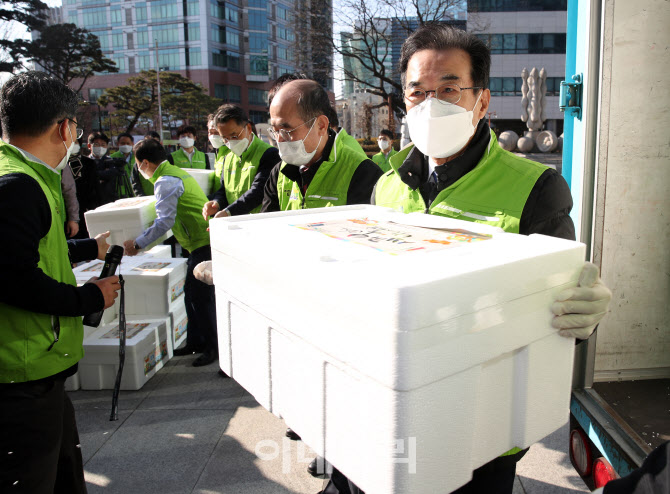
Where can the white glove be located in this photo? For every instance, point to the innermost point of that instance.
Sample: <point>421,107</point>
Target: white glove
<point>203,272</point>
<point>579,310</point>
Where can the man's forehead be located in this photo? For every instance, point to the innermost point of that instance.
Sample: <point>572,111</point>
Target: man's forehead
<point>439,66</point>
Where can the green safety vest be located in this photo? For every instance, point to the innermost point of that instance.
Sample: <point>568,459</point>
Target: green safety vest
<point>382,159</point>
<point>122,192</point>
<point>25,353</point>
<point>239,171</point>
<point>330,184</point>
<point>493,193</point>
<point>190,228</point>
<point>350,141</point>
<point>182,161</point>
<point>221,154</point>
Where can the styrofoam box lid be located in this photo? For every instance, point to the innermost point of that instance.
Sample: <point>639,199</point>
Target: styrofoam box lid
<point>137,328</point>
<point>161,251</point>
<point>319,284</point>
<point>135,207</point>
<point>170,268</point>
<point>86,271</point>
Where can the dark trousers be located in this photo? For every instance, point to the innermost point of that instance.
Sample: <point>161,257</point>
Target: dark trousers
<point>200,305</point>
<point>496,477</point>
<point>39,444</point>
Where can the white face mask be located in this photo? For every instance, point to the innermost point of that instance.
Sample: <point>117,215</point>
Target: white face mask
<point>68,151</point>
<point>384,145</point>
<point>238,146</point>
<point>99,151</point>
<point>143,173</point>
<point>76,148</point>
<point>125,149</point>
<point>440,130</point>
<point>186,142</point>
<point>294,153</point>
<point>216,141</point>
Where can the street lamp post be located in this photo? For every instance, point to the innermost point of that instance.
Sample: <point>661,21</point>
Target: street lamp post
<point>491,114</point>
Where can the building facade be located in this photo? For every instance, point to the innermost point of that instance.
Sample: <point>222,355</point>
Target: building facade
<point>234,48</point>
<point>521,34</point>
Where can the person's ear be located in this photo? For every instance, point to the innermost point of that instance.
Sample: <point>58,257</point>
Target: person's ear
<point>484,102</point>
<point>323,124</point>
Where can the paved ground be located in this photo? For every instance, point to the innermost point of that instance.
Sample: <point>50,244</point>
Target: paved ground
<point>190,431</point>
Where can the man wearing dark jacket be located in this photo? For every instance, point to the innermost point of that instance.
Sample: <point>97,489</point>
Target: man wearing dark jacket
<point>40,303</point>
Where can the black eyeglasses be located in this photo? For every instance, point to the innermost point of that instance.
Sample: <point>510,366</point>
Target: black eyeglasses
<point>79,132</point>
<point>446,93</point>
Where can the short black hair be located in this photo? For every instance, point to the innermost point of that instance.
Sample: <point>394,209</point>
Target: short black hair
<point>32,101</point>
<point>281,80</point>
<point>152,134</point>
<point>94,136</point>
<point>387,133</point>
<point>150,150</point>
<point>230,112</point>
<point>125,134</point>
<point>186,129</point>
<point>437,36</point>
<point>333,119</point>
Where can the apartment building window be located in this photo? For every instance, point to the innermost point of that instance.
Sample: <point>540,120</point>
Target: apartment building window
<point>194,57</point>
<point>258,97</point>
<point>284,69</point>
<point>169,59</point>
<point>104,41</point>
<point>120,62</point>
<point>258,20</point>
<point>232,38</point>
<point>285,33</point>
<point>285,53</point>
<point>140,12</point>
<point>511,86</point>
<point>166,35</point>
<point>232,15</point>
<point>226,59</point>
<point>258,65</point>
<point>521,43</point>
<point>94,94</point>
<point>115,16</point>
<point>516,5</point>
<point>142,37</point>
<point>144,61</point>
<point>72,17</point>
<point>259,4</point>
<point>117,41</point>
<point>164,10</point>
<point>193,31</point>
<point>227,92</point>
<point>233,61</point>
<point>258,42</point>
<point>259,116</point>
<point>282,12</point>
<point>193,8</point>
<point>95,18</point>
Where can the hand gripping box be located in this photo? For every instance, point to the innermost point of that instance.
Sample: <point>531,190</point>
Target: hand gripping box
<point>126,219</point>
<point>148,348</point>
<point>203,177</point>
<point>407,356</point>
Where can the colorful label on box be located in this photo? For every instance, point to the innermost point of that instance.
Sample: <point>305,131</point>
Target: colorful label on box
<point>180,329</point>
<point>177,290</point>
<point>131,330</point>
<point>94,268</point>
<point>154,357</point>
<point>393,238</point>
<point>151,266</point>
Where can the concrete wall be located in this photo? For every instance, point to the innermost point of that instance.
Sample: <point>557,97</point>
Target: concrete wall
<point>632,227</point>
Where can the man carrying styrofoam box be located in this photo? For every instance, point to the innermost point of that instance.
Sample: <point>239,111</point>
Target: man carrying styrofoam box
<point>179,201</point>
<point>455,168</point>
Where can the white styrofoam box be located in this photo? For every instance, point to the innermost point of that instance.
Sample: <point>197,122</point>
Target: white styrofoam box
<point>125,219</point>
<point>160,251</point>
<point>178,323</point>
<point>408,364</point>
<point>203,177</point>
<point>73,382</point>
<point>154,286</point>
<point>148,348</point>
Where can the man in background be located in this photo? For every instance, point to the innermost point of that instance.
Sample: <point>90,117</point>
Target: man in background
<point>187,156</point>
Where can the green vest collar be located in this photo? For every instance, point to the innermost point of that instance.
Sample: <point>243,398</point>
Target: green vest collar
<point>158,172</point>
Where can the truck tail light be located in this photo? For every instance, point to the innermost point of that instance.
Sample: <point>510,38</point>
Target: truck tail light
<point>580,452</point>
<point>603,472</point>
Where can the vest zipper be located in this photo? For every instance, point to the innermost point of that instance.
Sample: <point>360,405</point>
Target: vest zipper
<point>55,327</point>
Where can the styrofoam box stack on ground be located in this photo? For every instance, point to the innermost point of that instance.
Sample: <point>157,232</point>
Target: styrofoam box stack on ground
<point>155,286</point>
<point>203,177</point>
<point>178,324</point>
<point>125,219</point>
<point>73,383</point>
<point>148,348</point>
<point>409,364</point>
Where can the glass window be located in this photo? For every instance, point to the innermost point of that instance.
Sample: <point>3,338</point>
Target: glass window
<point>115,16</point>
<point>258,97</point>
<point>168,60</point>
<point>235,94</point>
<point>258,20</point>
<point>284,69</point>
<point>284,52</point>
<point>227,92</point>
<point>193,31</point>
<point>142,38</point>
<point>140,13</point>
<point>231,15</point>
<point>259,116</point>
<point>117,41</point>
<point>285,33</point>
<point>144,61</point>
<point>522,43</point>
<point>219,58</point>
<point>164,9</point>
<point>508,86</point>
<point>193,8</point>
<point>509,43</point>
<point>258,42</point>
<point>95,18</point>
<point>72,17</point>
<point>282,12</point>
<point>260,4</point>
<point>166,35</point>
<point>258,65</point>
<point>496,43</point>
<point>218,33</point>
<point>94,94</point>
<point>120,62</point>
<point>495,86</point>
<point>216,9</point>
<point>232,38</point>
<point>194,57</point>
<point>104,41</point>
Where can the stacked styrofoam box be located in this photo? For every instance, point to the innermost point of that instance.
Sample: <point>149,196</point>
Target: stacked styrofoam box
<point>155,286</point>
<point>406,371</point>
<point>178,325</point>
<point>160,251</point>
<point>125,219</point>
<point>203,177</point>
<point>148,348</point>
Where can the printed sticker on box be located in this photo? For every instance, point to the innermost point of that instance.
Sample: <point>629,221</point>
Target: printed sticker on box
<point>180,329</point>
<point>177,290</point>
<point>151,266</point>
<point>131,330</point>
<point>154,357</point>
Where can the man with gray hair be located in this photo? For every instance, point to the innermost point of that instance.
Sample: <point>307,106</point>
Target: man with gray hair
<point>318,169</point>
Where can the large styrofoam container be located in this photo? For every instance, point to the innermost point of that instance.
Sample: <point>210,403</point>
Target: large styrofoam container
<point>155,286</point>
<point>408,364</point>
<point>178,323</point>
<point>148,348</point>
<point>203,177</point>
<point>126,219</point>
<point>73,383</point>
<point>159,251</point>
